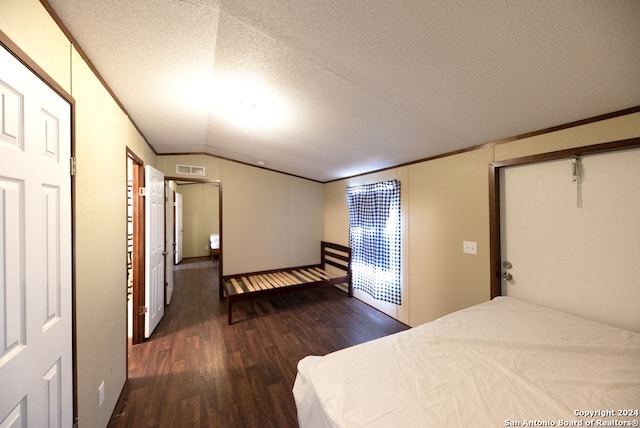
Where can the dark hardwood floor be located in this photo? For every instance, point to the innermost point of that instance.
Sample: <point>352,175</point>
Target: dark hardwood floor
<point>197,371</point>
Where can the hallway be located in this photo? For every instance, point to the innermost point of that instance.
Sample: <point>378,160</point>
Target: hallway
<point>196,371</point>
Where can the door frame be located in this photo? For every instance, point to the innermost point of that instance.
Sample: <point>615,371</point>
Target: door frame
<point>178,219</point>
<point>138,295</point>
<point>169,247</point>
<point>217,183</point>
<point>28,62</point>
<point>495,249</point>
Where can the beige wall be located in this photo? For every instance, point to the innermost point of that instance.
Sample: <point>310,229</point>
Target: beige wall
<point>269,220</point>
<point>444,202</point>
<point>102,134</point>
<point>618,128</point>
<point>448,204</point>
<point>200,217</point>
<point>29,26</point>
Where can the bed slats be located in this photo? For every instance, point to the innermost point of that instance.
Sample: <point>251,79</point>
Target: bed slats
<point>266,281</point>
<point>248,286</point>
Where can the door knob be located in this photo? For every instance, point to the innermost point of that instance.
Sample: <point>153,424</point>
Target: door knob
<point>507,276</point>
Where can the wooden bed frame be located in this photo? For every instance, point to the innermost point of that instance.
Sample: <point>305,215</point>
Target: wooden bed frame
<point>254,285</point>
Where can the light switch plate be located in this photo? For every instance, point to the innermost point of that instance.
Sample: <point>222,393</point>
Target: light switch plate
<point>470,247</point>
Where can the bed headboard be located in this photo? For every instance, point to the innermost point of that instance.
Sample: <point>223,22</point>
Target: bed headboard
<point>336,255</point>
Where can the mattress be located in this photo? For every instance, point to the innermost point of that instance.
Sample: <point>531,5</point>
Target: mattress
<point>501,363</point>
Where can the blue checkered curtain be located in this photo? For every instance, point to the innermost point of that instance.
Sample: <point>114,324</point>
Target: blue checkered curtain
<point>374,237</point>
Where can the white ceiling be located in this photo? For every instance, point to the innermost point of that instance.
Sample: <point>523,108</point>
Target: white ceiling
<point>342,87</point>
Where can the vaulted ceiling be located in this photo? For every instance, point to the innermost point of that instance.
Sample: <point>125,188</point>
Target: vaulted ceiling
<point>326,89</point>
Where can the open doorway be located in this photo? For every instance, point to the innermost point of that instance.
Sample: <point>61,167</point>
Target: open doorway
<point>135,249</point>
<point>136,238</point>
<point>197,220</point>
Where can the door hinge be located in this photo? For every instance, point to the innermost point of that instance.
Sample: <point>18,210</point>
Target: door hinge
<point>142,191</point>
<point>142,310</point>
<point>72,167</point>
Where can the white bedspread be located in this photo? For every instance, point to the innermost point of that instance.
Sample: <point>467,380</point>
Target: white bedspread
<point>500,363</point>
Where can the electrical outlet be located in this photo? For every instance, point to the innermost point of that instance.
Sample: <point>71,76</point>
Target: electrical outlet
<point>470,247</point>
<point>101,394</point>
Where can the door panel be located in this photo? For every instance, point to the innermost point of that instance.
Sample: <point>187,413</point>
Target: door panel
<point>179,241</point>
<point>154,248</point>
<point>13,328</point>
<point>169,245</point>
<point>35,251</point>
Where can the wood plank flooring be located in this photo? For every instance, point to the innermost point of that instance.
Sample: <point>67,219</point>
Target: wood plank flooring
<point>197,371</point>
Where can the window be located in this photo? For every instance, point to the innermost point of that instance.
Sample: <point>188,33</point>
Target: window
<point>374,237</point>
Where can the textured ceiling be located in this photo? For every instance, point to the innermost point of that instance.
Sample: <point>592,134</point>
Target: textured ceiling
<point>326,89</point>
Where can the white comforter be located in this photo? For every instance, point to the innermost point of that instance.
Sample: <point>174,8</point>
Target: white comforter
<point>500,363</point>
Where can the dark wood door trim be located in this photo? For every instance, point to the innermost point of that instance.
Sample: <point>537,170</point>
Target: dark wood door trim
<point>138,296</point>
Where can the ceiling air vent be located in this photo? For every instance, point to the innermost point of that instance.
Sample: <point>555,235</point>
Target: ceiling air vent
<point>190,170</point>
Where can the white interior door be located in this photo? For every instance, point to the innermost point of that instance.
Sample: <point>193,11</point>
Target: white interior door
<point>154,248</point>
<point>574,246</point>
<point>169,244</point>
<point>179,229</point>
<point>35,251</point>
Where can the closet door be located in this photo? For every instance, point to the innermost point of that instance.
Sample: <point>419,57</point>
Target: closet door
<point>35,251</point>
<point>573,243</point>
